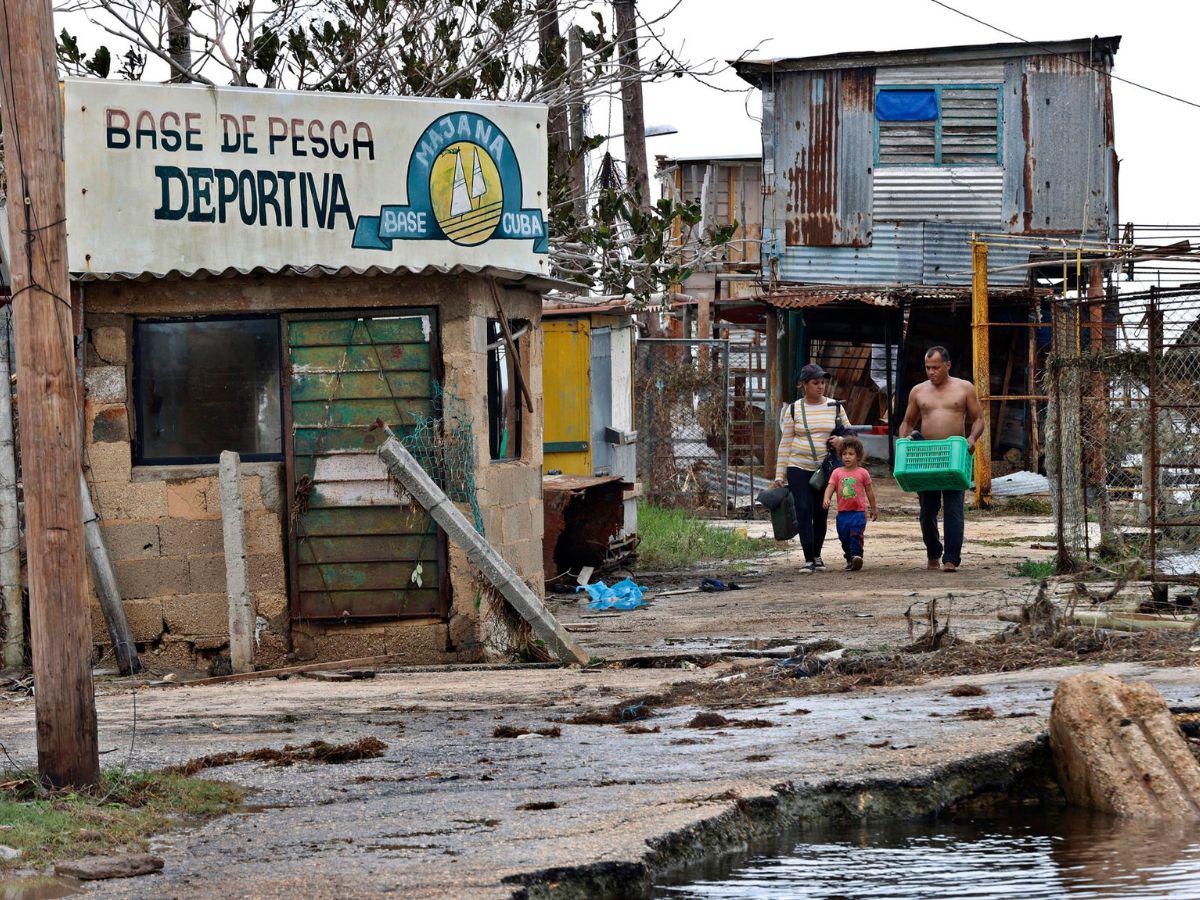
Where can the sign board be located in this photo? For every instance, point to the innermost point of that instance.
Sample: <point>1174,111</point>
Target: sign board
<point>182,177</point>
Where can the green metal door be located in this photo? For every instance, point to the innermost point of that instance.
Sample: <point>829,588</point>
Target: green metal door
<point>357,549</point>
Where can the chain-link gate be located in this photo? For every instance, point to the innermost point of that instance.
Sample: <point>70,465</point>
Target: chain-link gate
<point>1124,429</point>
<point>681,392</point>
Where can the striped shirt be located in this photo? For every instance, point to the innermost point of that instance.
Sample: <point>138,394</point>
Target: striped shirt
<point>795,450</point>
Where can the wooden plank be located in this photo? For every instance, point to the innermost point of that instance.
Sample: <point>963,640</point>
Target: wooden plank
<point>366,576</point>
<point>350,467</point>
<point>340,332</point>
<point>312,440</point>
<point>414,603</point>
<point>365,520</point>
<point>343,494</point>
<point>389,357</point>
<point>359,412</point>
<point>329,385</point>
<point>368,548</point>
<point>357,662</point>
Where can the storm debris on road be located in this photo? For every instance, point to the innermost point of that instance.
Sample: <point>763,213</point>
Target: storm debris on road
<point>314,751</point>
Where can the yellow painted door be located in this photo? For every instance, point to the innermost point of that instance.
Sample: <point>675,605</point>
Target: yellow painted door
<point>566,386</point>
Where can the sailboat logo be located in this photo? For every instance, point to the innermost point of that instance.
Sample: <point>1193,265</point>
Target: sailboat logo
<point>467,207</point>
<point>463,185</point>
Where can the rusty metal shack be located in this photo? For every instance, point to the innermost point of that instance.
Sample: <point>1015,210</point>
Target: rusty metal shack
<point>877,169</point>
<point>275,300</point>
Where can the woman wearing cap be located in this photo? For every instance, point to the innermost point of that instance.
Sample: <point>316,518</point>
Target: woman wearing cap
<point>807,427</point>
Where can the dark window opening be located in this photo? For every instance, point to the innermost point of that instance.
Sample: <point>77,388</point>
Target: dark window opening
<point>505,413</point>
<point>207,385</point>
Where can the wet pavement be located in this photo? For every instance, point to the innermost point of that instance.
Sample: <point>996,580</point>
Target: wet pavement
<point>439,814</point>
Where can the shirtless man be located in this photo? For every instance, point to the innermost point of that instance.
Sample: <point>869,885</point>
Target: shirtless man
<point>944,406</point>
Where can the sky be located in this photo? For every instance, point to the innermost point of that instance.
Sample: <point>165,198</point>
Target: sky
<point>1157,139</point>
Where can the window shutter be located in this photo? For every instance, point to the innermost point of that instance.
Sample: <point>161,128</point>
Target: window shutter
<point>902,143</point>
<point>970,127</point>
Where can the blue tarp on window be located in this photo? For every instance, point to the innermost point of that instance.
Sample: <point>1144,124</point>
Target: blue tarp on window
<point>906,106</point>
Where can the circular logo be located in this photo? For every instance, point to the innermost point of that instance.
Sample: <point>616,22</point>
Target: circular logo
<point>466,193</point>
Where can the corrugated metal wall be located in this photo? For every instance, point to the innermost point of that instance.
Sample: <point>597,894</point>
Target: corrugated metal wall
<point>951,73</point>
<point>939,193</point>
<point>823,143</point>
<point>1067,152</point>
<point>903,253</point>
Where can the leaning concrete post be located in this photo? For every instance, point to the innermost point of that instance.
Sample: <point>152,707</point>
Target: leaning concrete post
<point>500,574</point>
<point>107,590</point>
<point>237,587</point>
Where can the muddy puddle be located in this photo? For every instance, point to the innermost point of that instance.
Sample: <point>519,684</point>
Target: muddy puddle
<point>1037,855</point>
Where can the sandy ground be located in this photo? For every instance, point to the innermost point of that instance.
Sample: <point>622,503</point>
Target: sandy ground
<point>863,608</point>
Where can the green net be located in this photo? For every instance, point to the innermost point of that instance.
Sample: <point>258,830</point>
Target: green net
<point>444,444</point>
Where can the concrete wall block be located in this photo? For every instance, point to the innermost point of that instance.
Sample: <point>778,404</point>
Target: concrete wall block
<point>157,577</point>
<point>107,422</point>
<point>145,619</point>
<point>267,572</point>
<point>105,384</point>
<point>191,499</point>
<point>207,573</point>
<point>108,461</point>
<point>187,537</point>
<point>109,345</point>
<point>197,614</point>
<point>264,534</point>
<point>252,496</point>
<point>269,604</point>
<point>516,523</point>
<point>143,500</point>
<point>272,490</point>
<point>131,540</point>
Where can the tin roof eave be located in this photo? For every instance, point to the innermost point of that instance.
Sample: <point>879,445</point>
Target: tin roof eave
<point>529,280</point>
<point>752,70</point>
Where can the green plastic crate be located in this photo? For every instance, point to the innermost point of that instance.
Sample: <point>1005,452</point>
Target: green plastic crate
<point>945,465</point>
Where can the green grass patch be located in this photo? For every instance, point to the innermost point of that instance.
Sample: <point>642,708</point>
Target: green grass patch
<point>672,539</point>
<point>123,811</point>
<point>1037,569</point>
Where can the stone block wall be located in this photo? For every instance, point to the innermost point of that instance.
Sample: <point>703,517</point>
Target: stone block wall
<point>162,524</point>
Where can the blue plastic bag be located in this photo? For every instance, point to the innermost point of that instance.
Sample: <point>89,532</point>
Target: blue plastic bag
<point>622,595</point>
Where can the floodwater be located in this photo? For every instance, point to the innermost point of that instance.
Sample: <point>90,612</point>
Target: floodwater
<point>1036,855</point>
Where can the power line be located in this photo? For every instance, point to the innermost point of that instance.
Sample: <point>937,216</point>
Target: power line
<point>1084,65</point>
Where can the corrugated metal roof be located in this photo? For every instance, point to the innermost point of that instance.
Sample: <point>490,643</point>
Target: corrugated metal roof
<point>525,279</point>
<point>755,71</point>
<point>939,193</point>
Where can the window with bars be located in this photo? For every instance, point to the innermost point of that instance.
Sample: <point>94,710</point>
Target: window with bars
<point>942,125</point>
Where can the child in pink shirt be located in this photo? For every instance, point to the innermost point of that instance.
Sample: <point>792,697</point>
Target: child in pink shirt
<point>852,484</point>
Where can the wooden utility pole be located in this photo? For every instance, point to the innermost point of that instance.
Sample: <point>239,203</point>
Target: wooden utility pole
<point>633,116</point>
<point>60,627</point>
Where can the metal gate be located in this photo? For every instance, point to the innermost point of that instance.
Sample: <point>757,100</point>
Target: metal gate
<point>681,393</point>
<point>1124,433</point>
<point>358,551</point>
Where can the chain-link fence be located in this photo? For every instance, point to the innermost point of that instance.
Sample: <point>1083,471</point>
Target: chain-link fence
<point>1123,424</point>
<point>681,392</point>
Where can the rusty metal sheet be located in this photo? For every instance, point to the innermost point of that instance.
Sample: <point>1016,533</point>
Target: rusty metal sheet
<point>583,517</point>
<point>894,257</point>
<point>1067,124</point>
<point>824,147</point>
<point>939,193</point>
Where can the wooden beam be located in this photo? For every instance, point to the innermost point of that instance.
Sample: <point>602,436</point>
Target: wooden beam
<point>60,625</point>
<point>522,388</point>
